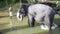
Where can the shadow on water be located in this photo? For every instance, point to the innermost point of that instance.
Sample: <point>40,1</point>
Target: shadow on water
<point>3,16</point>
<point>26,26</point>
<point>13,29</point>
<point>1,33</point>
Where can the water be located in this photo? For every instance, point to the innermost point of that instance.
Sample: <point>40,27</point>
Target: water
<point>17,27</point>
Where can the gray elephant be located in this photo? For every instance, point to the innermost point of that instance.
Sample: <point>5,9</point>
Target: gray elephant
<point>41,13</point>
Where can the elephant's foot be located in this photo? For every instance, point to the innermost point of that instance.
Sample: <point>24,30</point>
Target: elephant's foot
<point>45,27</point>
<point>54,26</point>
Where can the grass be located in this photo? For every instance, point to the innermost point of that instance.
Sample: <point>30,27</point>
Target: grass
<point>14,26</point>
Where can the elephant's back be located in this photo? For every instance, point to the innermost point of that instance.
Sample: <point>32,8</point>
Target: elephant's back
<point>39,6</point>
<point>39,9</point>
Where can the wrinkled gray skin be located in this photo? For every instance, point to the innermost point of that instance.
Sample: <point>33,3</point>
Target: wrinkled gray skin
<point>40,13</point>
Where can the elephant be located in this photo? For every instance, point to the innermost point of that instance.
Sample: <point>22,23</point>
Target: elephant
<point>41,13</point>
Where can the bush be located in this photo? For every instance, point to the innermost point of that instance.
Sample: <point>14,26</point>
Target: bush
<point>24,1</point>
<point>2,4</point>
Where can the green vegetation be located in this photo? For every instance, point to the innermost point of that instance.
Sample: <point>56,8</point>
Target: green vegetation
<point>4,4</point>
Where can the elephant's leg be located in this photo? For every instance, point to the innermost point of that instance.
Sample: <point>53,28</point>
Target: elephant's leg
<point>51,20</point>
<point>47,22</point>
<point>31,21</point>
<point>53,26</point>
